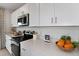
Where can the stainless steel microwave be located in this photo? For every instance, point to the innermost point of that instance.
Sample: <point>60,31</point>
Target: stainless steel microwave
<point>23,20</point>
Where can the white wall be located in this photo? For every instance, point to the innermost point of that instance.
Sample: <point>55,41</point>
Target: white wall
<point>6,26</point>
<point>55,32</point>
<point>7,20</point>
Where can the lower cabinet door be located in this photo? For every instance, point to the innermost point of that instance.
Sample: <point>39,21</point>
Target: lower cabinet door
<point>8,45</point>
<point>25,52</point>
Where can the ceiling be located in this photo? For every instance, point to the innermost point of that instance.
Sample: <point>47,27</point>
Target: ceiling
<point>11,6</point>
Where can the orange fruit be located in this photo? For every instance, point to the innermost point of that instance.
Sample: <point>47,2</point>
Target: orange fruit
<point>61,43</point>
<point>68,46</point>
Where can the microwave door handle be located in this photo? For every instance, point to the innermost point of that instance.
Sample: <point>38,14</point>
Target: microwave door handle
<point>28,19</point>
<point>22,21</point>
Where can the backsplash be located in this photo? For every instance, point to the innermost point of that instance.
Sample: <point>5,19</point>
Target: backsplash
<point>28,28</point>
<point>54,32</point>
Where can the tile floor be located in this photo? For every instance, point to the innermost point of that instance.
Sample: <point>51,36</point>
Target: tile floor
<point>4,52</point>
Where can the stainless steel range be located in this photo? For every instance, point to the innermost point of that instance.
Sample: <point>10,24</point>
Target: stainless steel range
<point>15,43</point>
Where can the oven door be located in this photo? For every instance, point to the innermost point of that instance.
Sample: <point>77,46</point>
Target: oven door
<point>15,47</point>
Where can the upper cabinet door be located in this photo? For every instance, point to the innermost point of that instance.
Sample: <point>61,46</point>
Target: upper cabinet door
<point>23,10</point>
<point>17,13</point>
<point>33,14</point>
<point>46,14</point>
<point>14,17</point>
<point>67,14</point>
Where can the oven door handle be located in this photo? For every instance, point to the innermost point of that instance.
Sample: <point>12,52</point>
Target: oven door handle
<point>14,43</point>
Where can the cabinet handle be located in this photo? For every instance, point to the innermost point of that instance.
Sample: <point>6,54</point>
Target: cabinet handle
<point>51,19</point>
<point>55,19</point>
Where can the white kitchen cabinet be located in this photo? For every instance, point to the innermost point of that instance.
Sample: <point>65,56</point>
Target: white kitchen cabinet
<point>32,9</point>
<point>23,10</point>
<point>33,14</point>
<point>8,43</point>
<point>17,13</point>
<point>36,48</point>
<point>46,14</point>
<point>59,14</point>
<point>14,17</point>
<point>67,13</point>
<point>26,48</point>
<point>25,51</point>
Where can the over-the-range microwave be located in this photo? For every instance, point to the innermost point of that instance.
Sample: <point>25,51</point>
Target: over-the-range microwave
<point>23,20</point>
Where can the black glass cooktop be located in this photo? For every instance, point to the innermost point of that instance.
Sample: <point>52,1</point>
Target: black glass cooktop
<point>22,38</point>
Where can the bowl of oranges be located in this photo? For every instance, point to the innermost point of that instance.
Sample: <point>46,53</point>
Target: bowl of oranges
<point>65,43</point>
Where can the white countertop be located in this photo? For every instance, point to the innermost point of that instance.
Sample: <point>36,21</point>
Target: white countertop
<point>42,48</point>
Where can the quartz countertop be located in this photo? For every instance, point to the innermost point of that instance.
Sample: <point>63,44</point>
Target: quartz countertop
<point>42,48</point>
